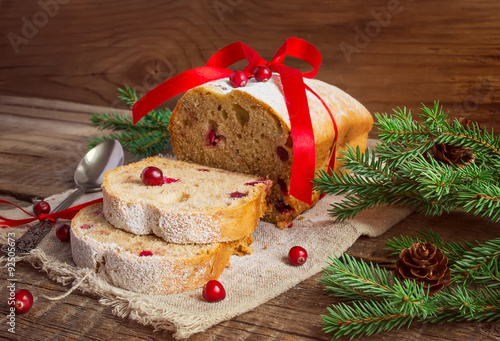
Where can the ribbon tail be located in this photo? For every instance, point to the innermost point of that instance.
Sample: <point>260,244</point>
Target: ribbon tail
<point>5,222</point>
<point>175,86</point>
<point>64,214</point>
<point>331,164</point>
<point>304,153</point>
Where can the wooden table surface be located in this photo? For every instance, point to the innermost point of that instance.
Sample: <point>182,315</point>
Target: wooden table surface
<point>57,68</point>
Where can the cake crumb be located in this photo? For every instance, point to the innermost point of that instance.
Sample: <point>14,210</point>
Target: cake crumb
<point>301,217</point>
<point>265,247</point>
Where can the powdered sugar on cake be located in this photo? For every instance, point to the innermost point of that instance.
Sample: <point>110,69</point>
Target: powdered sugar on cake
<point>197,208</point>
<point>171,267</point>
<point>271,93</point>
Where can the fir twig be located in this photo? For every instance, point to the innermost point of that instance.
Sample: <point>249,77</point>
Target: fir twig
<point>480,265</point>
<point>148,137</point>
<point>372,300</point>
<point>347,278</point>
<point>402,170</point>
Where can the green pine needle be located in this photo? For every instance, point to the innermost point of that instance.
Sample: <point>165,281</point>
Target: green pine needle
<point>148,137</point>
<point>372,300</point>
<point>402,171</point>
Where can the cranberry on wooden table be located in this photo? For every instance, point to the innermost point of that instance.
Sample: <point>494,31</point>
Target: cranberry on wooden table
<point>23,301</point>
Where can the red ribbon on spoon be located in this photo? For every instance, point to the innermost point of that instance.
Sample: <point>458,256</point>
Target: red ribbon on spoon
<point>68,213</point>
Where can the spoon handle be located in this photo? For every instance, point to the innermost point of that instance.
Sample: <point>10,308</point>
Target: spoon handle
<point>35,234</point>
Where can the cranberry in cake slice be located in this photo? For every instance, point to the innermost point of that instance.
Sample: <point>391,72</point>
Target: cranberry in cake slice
<point>183,202</point>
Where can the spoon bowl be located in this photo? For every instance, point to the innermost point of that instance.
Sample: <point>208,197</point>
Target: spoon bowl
<point>103,157</point>
<point>88,178</point>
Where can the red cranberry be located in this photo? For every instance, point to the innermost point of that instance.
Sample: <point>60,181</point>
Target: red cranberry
<point>152,176</point>
<point>212,138</point>
<point>23,301</point>
<point>262,73</point>
<point>145,253</point>
<point>203,170</point>
<point>282,207</point>
<point>238,79</point>
<point>213,291</point>
<point>252,183</point>
<point>86,226</point>
<point>41,207</point>
<point>169,180</point>
<point>62,232</point>
<point>237,195</point>
<point>282,153</point>
<point>297,255</point>
<point>283,186</point>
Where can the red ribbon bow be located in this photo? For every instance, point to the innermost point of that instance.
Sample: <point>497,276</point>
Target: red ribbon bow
<point>294,92</point>
<point>68,213</point>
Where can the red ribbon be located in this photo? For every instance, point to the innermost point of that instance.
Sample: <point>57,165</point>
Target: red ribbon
<point>68,213</point>
<point>294,92</point>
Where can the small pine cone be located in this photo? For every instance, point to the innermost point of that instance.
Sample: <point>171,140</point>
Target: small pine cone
<point>468,123</point>
<point>450,154</point>
<point>423,262</point>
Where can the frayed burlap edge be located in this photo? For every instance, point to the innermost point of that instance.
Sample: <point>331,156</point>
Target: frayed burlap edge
<point>122,303</point>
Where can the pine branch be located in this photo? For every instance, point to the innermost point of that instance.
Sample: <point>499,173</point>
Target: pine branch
<point>403,168</point>
<point>148,137</point>
<point>128,96</point>
<point>397,245</point>
<point>463,304</point>
<point>480,265</point>
<point>347,278</point>
<point>372,300</point>
<point>363,318</point>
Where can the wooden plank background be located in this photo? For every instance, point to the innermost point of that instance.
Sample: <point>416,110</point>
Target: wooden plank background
<point>386,53</point>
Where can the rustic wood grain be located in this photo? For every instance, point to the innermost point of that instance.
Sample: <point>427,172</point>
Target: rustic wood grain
<point>54,133</point>
<point>424,51</point>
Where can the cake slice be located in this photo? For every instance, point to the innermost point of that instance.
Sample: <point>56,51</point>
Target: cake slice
<point>248,130</point>
<point>147,264</point>
<point>193,203</point>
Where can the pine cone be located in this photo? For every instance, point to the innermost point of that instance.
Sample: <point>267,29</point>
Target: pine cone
<point>468,123</point>
<point>423,262</point>
<point>450,154</point>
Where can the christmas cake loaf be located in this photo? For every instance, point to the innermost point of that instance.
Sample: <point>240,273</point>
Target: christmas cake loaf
<point>247,129</point>
<point>188,204</point>
<point>147,264</point>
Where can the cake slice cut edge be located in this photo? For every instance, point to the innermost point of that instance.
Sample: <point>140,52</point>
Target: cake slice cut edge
<point>145,263</point>
<point>196,204</point>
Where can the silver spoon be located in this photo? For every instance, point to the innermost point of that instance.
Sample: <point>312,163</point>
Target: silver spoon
<point>88,178</point>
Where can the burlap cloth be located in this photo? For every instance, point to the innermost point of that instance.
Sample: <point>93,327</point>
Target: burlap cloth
<point>249,281</point>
